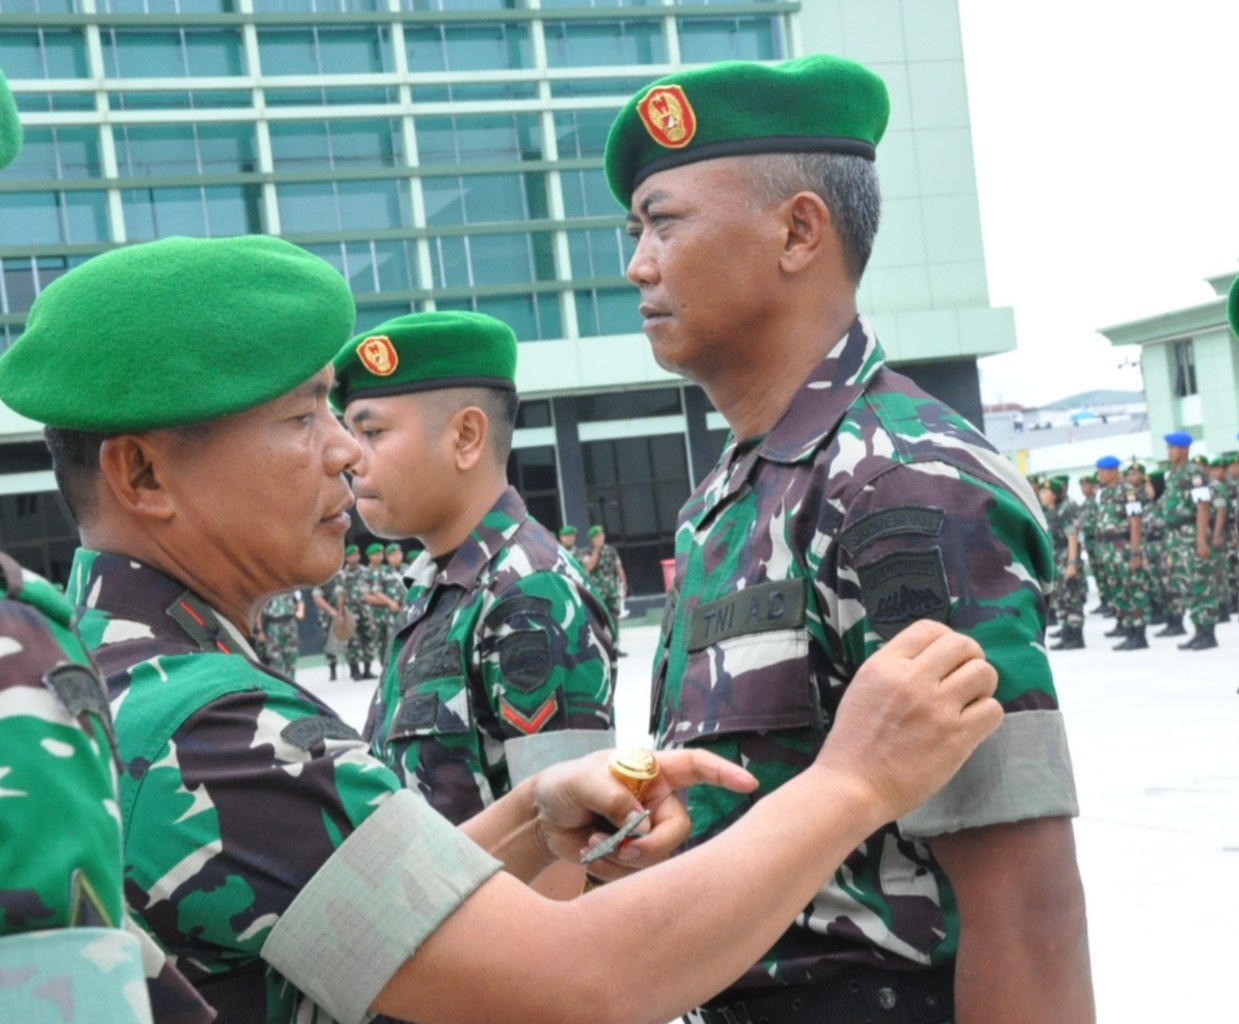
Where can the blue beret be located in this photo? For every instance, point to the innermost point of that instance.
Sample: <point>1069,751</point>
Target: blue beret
<point>1108,462</point>
<point>1179,439</point>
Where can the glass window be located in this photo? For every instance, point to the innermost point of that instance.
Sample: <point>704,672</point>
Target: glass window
<point>533,414</point>
<point>171,53</point>
<point>203,212</point>
<point>484,198</point>
<point>57,153</point>
<point>575,44</point>
<point>461,5</point>
<point>531,316</point>
<point>485,47</point>
<point>324,50</point>
<point>1185,369</point>
<point>376,143</point>
<point>608,311</point>
<point>583,133</point>
<point>345,205</point>
<point>213,99</point>
<point>473,260</point>
<point>370,314</point>
<point>532,472</point>
<point>313,6</point>
<point>146,150</point>
<point>41,103</point>
<point>334,97</point>
<point>478,137</point>
<point>629,405</point>
<point>599,252</point>
<point>43,53</point>
<point>22,278</point>
<point>464,92</point>
<point>703,40</point>
<point>43,218</point>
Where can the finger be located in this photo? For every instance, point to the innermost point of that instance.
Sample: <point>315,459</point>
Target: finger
<point>974,680</point>
<point>946,653</point>
<point>981,718</point>
<point>690,767</point>
<point>914,638</point>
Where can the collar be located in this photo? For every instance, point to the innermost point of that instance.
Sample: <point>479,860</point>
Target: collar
<point>152,605</point>
<point>488,538</point>
<point>815,411</point>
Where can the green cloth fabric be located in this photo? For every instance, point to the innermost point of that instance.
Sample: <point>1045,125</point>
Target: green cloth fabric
<point>374,549</point>
<point>176,331</point>
<point>1232,306</point>
<point>10,126</point>
<point>812,104</point>
<point>426,352</point>
<point>567,531</point>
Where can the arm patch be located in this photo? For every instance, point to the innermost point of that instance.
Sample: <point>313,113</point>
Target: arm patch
<point>902,587</point>
<point>525,659</point>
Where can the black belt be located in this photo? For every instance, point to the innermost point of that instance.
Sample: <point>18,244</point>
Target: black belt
<point>280,618</point>
<point>859,995</point>
<point>1115,535</point>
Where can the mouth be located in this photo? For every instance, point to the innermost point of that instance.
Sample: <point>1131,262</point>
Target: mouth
<point>340,517</point>
<point>652,315</point>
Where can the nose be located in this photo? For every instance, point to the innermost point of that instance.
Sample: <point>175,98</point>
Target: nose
<point>343,451</point>
<point>641,266</point>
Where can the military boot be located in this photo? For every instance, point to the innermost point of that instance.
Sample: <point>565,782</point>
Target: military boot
<point>1223,611</point>
<point>1071,640</point>
<point>1051,617</point>
<point>1203,640</point>
<point>1174,626</point>
<point>354,673</point>
<point>1118,630</point>
<point>365,670</point>
<point>1135,640</point>
<point>331,667</point>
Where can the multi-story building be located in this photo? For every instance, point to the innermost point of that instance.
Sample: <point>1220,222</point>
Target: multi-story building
<point>447,154</point>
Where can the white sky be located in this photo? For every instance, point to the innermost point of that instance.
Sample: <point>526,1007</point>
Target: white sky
<point>1107,158</point>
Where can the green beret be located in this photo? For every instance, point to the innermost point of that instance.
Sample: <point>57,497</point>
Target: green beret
<point>817,104</point>
<point>176,331</point>
<point>374,549</point>
<point>426,352</point>
<point>1157,475</point>
<point>10,126</point>
<point>393,549</point>
<point>1218,463</point>
<point>1232,307</point>
<point>1134,467</point>
<point>351,549</point>
<point>566,530</point>
<point>595,530</point>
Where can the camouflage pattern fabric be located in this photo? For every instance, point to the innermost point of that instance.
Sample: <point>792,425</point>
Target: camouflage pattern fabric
<point>1117,505</point>
<point>868,505</point>
<point>352,582</point>
<point>392,584</point>
<point>64,955</point>
<point>279,624</point>
<point>244,802</point>
<point>606,580</point>
<point>374,581</point>
<point>1069,594</point>
<point>503,663</point>
<point>1154,533</point>
<point>1178,512</point>
<point>1221,576</point>
<point>1088,543</point>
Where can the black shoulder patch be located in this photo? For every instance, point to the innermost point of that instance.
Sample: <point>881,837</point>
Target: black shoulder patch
<point>888,522</point>
<point>902,587</point>
<point>81,692</point>
<point>431,662</point>
<point>523,604</point>
<point>305,732</point>
<point>525,658</point>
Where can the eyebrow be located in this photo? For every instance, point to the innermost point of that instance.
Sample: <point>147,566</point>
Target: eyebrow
<point>361,418</point>
<point>313,388</point>
<point>653,197</point>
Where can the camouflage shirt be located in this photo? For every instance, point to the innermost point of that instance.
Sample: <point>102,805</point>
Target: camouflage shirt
<point>282,606</point>
<point>605,575</point>
<point>266,851</point>
<point>868,505</point>
<point>502,664</point>
<point>1115,507</point>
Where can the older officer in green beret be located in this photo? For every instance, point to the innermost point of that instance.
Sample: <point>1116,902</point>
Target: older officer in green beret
<point>846,504</point>
<point>504,655</point>
<point>184,384</point>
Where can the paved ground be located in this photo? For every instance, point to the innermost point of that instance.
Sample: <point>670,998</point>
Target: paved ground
<point>1155,740</point>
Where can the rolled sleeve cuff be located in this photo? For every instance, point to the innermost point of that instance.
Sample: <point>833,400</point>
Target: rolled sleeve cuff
<point>373,903</point>
<point>1022,771</point>
<point>528,755</point>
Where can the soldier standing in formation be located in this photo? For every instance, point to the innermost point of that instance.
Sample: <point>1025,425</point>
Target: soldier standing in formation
<point>1153,531</point>
<point>1088,531</point>
<point>1223,503</point>
<point>394,588</point>
<point>567,539</point>
<point>606,573</point>
<point>378,903</point>
<point>1062,516</point>
<point>1232,543</point>
<point>1119,510</point>
<point>278,644</point>
<point>328,600</point>
<point>381,608</point>
<point>1189,514</point>
<point>846,504</point>
<point>352,580</point>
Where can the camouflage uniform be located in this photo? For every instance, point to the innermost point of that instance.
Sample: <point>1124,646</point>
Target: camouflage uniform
<point>392,584</point>
<point>868,505</point>
<point>306,921</point>
<point>1116,506</point>
<point>1208,579</point>
<point>279,624</point>
<point>328,592</point>
<point>374,581</point>
<point>352,581</point>
<point>64,955</point>
<point>1221,575</point>
<point>606,580</point>
<point>1190,583</point>
<point>1068,596</point>
<point>1091,549</point>
<point>503,663</point>
<point>1154,540</point>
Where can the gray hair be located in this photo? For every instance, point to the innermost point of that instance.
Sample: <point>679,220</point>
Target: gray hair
<point>848,185</point>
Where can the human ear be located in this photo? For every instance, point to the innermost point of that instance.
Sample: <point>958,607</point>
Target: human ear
<point>131,465</point>
<point>808,228</point>
<point>471,431</point>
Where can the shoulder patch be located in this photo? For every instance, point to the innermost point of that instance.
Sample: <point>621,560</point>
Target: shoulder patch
<point>888,522</point>
<point>902,587</point>
<point>524,604</point>
<point>81,692</point>
<point>525,658</point>
<point>305,732</point>
<point>529,724</point>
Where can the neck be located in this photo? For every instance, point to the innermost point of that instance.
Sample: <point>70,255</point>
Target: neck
<point>753,396</point>
<point>476,501</point>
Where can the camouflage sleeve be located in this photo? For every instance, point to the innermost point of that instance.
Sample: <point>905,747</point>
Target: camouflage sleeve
<point>173,999</point>
<point>924,540</point>
<point>545,653</point>
<point>72,976</point>
<point>263,790</point>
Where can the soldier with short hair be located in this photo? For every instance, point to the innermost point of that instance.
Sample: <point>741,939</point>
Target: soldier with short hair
<point>1062,516</point>
<point>277,631</point>
<point>846,503</point>
<point>287,869</point>
<point>352,583</point>
<point>606,572</point>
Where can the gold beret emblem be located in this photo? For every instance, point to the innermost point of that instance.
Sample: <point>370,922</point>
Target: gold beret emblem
<point>668,116</point>
<point>378,355</point>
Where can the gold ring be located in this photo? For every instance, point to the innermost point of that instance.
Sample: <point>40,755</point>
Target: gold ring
<point>636,768</point>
